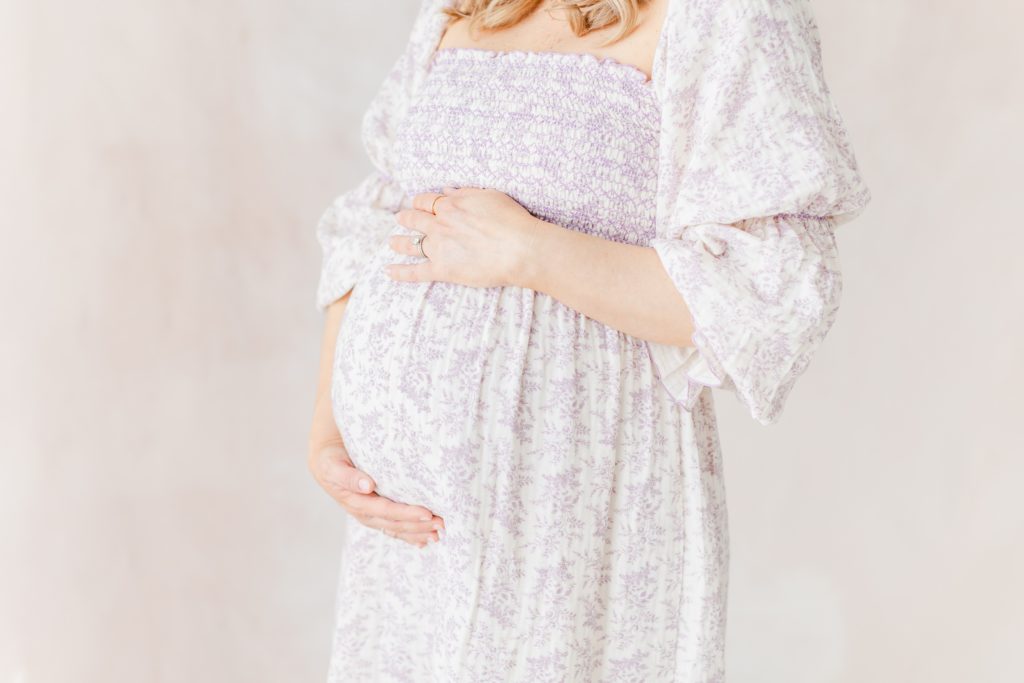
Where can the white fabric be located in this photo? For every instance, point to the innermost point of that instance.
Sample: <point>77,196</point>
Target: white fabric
<point>756,173</point>
<point>584,499</point>
<point>751,140</point>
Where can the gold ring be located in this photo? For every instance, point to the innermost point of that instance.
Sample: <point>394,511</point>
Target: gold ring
<point>434,203</point>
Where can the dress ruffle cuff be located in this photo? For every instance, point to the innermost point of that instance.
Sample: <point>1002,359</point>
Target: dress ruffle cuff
<point>763,294</point>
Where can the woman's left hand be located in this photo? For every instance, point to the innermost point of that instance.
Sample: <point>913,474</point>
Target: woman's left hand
<point>479,237</point>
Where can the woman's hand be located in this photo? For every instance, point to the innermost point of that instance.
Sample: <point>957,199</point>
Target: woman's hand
<point>479,238</point>
<point>353,490</point>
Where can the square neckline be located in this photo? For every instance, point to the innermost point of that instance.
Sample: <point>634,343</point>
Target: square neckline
<point>631,72</point>
<point>638,74</point>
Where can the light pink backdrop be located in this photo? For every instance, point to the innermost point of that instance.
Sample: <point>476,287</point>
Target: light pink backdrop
<point>162,166</point>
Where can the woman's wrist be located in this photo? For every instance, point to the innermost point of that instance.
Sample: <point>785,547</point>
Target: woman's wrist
<point>528,251</point>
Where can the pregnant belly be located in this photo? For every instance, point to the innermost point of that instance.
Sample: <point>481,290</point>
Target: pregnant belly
<point>441,391</point>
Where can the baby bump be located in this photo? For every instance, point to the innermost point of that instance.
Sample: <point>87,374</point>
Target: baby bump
<point>453,397</point>
<point>409,369</point>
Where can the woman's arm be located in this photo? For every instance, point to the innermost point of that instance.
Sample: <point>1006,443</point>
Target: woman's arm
<point>621,285</point>
<point>333,470</point>
<point>326,429</point>
<point>482,237</point>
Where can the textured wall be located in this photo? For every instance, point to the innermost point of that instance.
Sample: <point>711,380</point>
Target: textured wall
<point>162,166</point>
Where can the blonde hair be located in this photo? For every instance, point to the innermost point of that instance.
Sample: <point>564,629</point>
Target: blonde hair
<point>584,15</point>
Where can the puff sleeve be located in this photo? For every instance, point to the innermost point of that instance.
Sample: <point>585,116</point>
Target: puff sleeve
<point>359,219</point>
<point>755,173</point>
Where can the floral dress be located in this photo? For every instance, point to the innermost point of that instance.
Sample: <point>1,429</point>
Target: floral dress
<point>578,468</point>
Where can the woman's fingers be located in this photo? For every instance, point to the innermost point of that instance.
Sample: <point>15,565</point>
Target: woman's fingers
<point>403,244</point>
<point>385,508</point>
<point>353,490</point>
<point>338,475</point>
<point>351,479</point>
<point>399,531</point>
<point>399,526</point>
<point>419,540</point>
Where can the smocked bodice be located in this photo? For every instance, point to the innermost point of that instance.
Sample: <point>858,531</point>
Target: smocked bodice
<point>572,137</point>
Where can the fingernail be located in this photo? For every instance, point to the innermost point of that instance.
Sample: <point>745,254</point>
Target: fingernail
<point>425,519</point>
<point>364,485</point>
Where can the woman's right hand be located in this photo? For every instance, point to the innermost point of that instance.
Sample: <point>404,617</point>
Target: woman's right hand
<point>354,491</point>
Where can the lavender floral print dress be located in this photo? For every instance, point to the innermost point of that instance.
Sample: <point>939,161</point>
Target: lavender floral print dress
<point>578,468</point>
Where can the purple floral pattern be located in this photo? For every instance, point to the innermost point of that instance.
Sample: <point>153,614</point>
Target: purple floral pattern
<point>578,468</point>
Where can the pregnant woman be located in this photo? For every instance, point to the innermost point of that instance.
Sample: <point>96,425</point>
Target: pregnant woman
<point>582,217</point>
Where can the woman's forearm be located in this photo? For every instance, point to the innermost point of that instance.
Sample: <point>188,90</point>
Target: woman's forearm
<point>324,428</point>
<point>621,285</point>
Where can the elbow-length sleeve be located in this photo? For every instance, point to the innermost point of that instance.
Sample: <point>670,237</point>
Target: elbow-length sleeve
<point>359,219</point>
<point>755,174</point>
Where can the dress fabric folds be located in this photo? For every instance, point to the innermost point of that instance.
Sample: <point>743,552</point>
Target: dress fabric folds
<point>578,468</point>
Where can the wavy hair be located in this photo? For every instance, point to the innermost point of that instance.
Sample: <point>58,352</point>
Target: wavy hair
<point>584,16</point>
